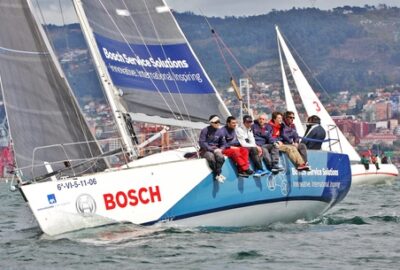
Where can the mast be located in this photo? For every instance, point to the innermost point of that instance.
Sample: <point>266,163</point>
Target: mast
<point>111,91</point>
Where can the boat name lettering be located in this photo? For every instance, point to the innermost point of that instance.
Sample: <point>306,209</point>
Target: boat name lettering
<point>323,171</point>
<point>77,183</point>
<point>132,197</point>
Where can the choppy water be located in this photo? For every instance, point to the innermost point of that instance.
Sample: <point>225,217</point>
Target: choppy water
<point>362,232</point>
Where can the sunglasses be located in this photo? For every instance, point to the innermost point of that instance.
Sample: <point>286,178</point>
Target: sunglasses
<point>216,122</point>
<point>291,117</point>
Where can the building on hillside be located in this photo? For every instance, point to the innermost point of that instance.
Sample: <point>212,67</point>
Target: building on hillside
<point>393,123</point>
<point>381,125</point>
<point>377,111</point>
<point>353,128</point>
<point>378,138</point>
<point>383,111</point>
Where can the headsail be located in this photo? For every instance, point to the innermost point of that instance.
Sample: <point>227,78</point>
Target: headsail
<point>155,72</point>
<point>288,96</point>
<point>44,118</point>
<point>314,106</point>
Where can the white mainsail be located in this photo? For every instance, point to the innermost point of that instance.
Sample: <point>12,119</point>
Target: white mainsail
<point>313,105</point>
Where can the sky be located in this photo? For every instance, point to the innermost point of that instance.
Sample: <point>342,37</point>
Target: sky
<point>220,8</point>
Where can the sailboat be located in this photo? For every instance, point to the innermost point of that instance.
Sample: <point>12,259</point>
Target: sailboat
<point>150,74</point>
<point>338,142</point>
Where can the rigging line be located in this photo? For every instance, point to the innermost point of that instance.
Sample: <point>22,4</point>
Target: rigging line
<point>243,68</point>
<point>227,66</point>
<point>219,41</point>
<point>131,49</point>
<point>232,79</point>
<point>218,45</point>
<point>6,108</point>
<point>192,135</point>
<point>163,50</point>
<point>118,109</point>
<point>224,58</point>
<point>48,175</point>
<point>63,22</point>
<point>81,118</point>
<point>55,78</point>
<point>23,52</point>
<point>126,41</point>
<point>62,13</point>
<point>306,66</point>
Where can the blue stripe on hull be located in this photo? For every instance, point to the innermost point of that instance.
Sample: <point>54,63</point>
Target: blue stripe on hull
<point>231,207</point>
<point>328,181</point>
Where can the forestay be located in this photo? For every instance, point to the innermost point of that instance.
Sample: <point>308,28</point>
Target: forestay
<point>46,124</point>
<point>155,72</point>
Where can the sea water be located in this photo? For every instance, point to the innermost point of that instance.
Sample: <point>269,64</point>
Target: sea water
<point>361,232</point>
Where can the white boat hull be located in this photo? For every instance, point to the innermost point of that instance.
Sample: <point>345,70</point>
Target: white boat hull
<point>387,173</point>
<point>184,192</point>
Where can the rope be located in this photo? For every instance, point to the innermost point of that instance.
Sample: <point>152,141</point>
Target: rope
<point>317,140</point>
<point>191,135</point>
<point>78,113</point>
<point>131,49</point>
<point>23,52</point>
<point>220,43</point>
<point>306,66</point>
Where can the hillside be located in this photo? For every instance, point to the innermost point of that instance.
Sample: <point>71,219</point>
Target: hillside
<point>346,49</point>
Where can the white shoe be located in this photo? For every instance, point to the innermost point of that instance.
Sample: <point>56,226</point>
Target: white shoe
<point>220,179</point>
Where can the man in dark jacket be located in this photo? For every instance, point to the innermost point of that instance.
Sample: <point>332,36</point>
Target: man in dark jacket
<point>290,136</point>
<point>275,127</point>
<point>315,133</point>
<point>263,138</point>
<point>211,147</point>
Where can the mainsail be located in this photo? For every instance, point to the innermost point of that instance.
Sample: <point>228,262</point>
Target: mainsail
<point>46,124</point>
<point>313,105</point>
<point>155,74</point>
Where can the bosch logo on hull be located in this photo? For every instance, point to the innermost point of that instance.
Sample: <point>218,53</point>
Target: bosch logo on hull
<point>132,197</point>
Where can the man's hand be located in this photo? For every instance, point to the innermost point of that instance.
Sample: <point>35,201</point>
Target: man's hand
<point>218,150</point>
<point>259,151</point>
